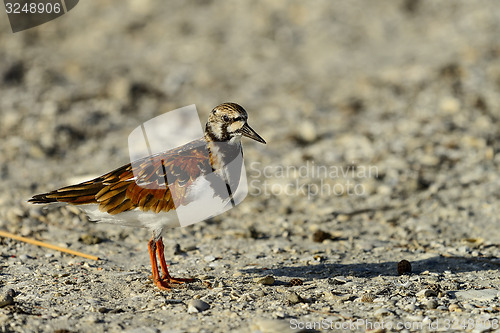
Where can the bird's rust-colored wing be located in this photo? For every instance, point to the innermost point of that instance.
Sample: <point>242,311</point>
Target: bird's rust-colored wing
<point>141,184</point>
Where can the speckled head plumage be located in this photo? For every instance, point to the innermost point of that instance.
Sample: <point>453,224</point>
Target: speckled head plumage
<point>227,121</point>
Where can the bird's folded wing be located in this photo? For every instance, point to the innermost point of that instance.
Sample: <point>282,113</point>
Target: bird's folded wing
<point>155,183</point>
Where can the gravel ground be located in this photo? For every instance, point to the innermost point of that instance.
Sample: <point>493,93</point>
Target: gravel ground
<point>383,128</point>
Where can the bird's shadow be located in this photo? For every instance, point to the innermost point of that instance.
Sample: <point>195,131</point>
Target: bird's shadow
<point>437,264</point>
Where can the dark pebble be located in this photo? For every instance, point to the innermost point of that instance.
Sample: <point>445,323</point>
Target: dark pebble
<point>321,235</point>
<point>404,267</point>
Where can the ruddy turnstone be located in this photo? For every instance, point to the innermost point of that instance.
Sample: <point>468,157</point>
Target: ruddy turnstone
<point>149,191</point>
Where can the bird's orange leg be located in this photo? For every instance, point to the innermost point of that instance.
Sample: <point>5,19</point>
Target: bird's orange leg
<point>160,283</point>
<point>163,264</point>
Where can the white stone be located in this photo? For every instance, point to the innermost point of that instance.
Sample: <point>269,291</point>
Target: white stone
<point>484,294</point>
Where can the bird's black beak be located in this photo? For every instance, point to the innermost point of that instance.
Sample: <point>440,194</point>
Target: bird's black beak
<point>250,133</point>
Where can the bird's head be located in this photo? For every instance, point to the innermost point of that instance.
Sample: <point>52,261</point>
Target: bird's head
<point>227,121</point>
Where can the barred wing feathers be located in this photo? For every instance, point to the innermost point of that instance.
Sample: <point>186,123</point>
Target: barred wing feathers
<point>141,184</point>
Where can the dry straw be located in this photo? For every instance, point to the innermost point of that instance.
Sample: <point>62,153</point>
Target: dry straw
<point>49,246</point>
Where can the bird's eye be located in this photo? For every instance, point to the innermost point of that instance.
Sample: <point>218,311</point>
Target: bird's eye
<point>225,118</point>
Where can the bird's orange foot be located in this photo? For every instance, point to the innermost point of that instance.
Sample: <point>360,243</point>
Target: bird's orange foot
<point>163,285</point>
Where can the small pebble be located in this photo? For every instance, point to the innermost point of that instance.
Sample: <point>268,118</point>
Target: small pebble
<point>219,284</point>
<point>209,258</point>
<point>281,290</point>
<point>190,248</point>
<point>177,249</point>
<point>197,305</point>
<point>410,307</point>
<point>307,132</point>
<point>320,235</point>
<point>294,298</point>
<point>404,267</point>
<point>431,304</point>
<point>382,312</point>
<point>469,306</point>
<point>295,282</point>
<point>7,298</point>
<point>367,298</point>
<point>248,297</point>
<point>271,325</point>
<point>266,280</point>
<point>336,281</point>
<point>173,301</point>
<point>89,239</point>
<point>340,298</point>
<point>14,215</point>
<point>426,293</point>
<point>449,104</point>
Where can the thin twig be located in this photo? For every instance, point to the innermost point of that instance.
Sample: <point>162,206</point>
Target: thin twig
<point>49,246</point>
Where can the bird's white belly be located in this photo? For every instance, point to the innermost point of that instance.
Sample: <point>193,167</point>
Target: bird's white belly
<point>135,218</point>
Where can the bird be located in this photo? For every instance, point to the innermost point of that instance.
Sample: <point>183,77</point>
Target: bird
<point>150,191</point>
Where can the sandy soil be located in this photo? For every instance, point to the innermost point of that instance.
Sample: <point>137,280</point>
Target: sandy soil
<point>382,122</point>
